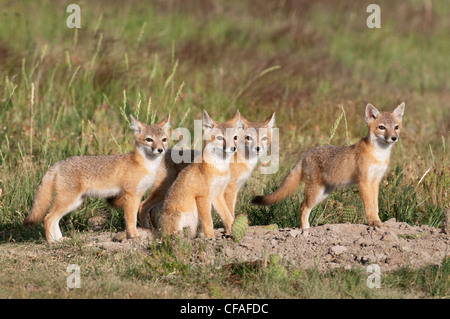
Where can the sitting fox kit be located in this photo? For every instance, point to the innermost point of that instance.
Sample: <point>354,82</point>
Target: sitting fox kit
<point>122,178</point>
<point>325,168</point>
<point>188,201</point>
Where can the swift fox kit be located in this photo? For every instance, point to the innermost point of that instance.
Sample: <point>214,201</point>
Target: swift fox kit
<point>252,142</point>
<point>324,168</point>
<point>189,199</point>
<point>124,177</point>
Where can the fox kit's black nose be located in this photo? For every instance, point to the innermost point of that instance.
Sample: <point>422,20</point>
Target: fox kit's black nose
<point>257,148</point>
<point>160,150</point>
<point>393,138</point>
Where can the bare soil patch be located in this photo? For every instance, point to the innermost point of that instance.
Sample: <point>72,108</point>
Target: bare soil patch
<point>326,247</point>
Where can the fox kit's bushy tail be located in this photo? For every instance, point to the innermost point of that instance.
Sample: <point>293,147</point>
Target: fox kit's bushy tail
<point>287,188</point>
<point>42,199</point>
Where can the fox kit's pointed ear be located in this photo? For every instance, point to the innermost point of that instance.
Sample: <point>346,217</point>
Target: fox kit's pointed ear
<point>270,122</point>
<point>239,123</point>
<point>236,116</point>
<point>136,126</point>
<point>371,113</point>
<point>165,124</point>
<point>245,122</point>
<point>398,112</point>
<point>208,122</point>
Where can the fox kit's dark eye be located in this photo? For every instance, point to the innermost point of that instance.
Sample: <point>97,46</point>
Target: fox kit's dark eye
<point>235,138</point>
<point>396,127</point>
<point>164,139</point>
<point>248,138</point>
<point>264,138</point>
<point>219,138</point>
<point>381,127</point>
<point>148,139</point>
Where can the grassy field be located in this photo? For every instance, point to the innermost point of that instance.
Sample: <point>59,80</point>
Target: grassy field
<point>66,92</point>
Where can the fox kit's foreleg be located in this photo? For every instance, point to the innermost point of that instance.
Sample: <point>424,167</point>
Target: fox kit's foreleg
<point>204,213</point>
<point>369,195</point>
<point>222,209</point>
<point>230,196</point>
<point>131,206</point>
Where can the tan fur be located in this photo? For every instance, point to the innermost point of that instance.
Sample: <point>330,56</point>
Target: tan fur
<point>189,199</point>
<point>241,168</point>
<point>125,178</point>
<point>324,168</point>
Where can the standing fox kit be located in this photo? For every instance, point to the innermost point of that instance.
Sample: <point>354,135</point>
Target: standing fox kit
<point>123,178</point>
<point>189,199</point>
<point>325,168</point>
<point>255,140</point>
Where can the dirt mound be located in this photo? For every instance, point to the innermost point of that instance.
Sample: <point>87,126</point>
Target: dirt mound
<point>329,246</point>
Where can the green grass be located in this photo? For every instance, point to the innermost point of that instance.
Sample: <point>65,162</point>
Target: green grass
<point>66,92</point>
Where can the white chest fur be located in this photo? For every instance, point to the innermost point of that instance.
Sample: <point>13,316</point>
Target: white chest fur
<point>381,154</point>
<point>151,165</point>
<point>376,172</point>
<point>146,182</point>
<point>218,185</point>
<point>245,175</point>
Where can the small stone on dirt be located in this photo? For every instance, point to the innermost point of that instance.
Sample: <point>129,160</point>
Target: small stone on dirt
<point>337,250</point>
<point>295,232</point>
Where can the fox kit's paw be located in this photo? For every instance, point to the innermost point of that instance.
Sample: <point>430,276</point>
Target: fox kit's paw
<point>375,223</point>
<point>120,236</point>
<point>208,235</point>
<point>123,235</point>
<point>57,241</point>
